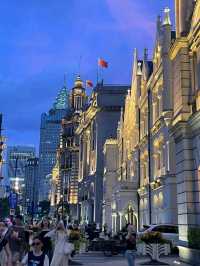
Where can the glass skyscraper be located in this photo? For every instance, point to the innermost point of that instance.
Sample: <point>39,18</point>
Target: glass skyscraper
<point>49,139</point>
<point>17,157</point>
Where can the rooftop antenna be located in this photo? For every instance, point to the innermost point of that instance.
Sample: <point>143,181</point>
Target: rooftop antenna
<point>79,65</point>
<point>64,79</point>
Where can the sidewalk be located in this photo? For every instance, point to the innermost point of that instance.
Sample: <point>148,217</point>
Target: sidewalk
<point>98,259</point>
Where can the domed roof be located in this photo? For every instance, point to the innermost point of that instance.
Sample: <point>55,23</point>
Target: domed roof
<point>78,82</point>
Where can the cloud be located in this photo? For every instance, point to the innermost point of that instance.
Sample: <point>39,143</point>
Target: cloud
<point>131,17</point>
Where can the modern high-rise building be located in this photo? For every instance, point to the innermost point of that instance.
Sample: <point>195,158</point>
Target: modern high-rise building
<point>31,185</point>
<point>17,157</point>
<point>2,141</point>
<point>49,138</point>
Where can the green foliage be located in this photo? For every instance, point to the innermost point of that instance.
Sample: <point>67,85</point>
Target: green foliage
<point>4,208</point>
<point>194,237</point>
<point>153,237</point>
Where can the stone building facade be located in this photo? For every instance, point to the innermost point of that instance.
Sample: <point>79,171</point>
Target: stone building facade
<point>185,125</point>
<point>64,181</point>
<point>158,134</point>
<point>98,123</point>
<point>145,191</point>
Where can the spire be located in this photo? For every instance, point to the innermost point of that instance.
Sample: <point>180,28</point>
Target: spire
<point>135,62</point>
<point>166,20</point>
<point>62,100</point>
<point>145,69</point>
<point>64,81</point>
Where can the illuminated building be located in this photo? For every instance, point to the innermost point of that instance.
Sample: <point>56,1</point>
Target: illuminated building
<point>64,181</point>
<point>49,139</point>
<point>144,190</point>
<point>31,185</point>
<point>17,157</point>
<point>98,123</point>
<point>158,143</point>
<point>69,148</point>
<point>185,125</point>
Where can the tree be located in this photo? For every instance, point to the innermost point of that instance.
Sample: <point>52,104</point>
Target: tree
<point>4,208</point>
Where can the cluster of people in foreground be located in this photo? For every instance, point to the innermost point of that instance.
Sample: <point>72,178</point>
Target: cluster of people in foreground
<point>39,245</point>
<point>45,243</point>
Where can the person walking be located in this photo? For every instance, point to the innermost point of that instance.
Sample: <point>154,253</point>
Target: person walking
<point>63,248</point>
<point>130,253</point>
<point>36,256</point>
<point>5,253</point>
<point>17,240</point>
<point>45,228</point>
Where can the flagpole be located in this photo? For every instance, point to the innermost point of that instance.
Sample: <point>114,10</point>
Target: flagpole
<point>98,71</point>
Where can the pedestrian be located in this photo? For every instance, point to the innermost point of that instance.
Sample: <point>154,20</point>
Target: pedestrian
<point>17,240</point>
<point>5,253</point>
<point>130,253</point>
<point>36,256</point>
<point>62,248</point>
<point>44,229</point>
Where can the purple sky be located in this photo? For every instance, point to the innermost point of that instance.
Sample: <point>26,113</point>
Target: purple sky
<point>42,40</point>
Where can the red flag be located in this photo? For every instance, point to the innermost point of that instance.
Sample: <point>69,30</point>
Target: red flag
<point>102,63</point>
<point>89,83</point>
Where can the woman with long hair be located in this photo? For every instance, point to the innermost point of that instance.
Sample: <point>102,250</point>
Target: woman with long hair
<point>44,229</point>
<point>61,245</point>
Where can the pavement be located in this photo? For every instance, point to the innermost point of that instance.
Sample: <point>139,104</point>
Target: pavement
<point>98,259</point>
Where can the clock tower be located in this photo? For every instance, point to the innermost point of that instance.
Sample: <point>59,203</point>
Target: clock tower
<point>78,96</point>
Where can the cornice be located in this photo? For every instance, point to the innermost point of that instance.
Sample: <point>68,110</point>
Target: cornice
<point>179,43</point>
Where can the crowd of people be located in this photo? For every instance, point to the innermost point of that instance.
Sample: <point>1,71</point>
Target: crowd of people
<point>49,243</point>
<point>34,244</point>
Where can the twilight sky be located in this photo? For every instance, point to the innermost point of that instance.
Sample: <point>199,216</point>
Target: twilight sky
<point>43,39</point>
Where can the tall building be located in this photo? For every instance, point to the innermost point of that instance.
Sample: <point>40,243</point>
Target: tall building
<point>145,190</point>
<point>98,123</point>
<point>49,139</point>
<point>31,185</point>
<point>17,157</point>
<point>185,125</point>
<point>155,168</point>
<point>65,173</point>
<point>2,141</point>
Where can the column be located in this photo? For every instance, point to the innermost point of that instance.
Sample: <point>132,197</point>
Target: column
<point>185,176</point>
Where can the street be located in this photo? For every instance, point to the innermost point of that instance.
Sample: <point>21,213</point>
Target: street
<point>98,259</point>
